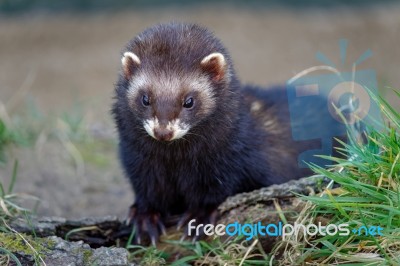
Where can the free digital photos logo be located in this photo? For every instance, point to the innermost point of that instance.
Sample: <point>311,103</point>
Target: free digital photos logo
<point>342,98</point>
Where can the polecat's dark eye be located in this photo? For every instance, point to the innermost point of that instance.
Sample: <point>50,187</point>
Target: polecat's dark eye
<point>145,100</point>
<point>188,103</point>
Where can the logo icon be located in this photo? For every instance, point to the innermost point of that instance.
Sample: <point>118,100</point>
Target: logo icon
<point>340,100</point>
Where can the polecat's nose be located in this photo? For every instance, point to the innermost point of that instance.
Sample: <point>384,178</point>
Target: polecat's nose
<point>163,134</point>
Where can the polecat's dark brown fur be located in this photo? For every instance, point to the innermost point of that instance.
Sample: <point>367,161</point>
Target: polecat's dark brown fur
<point>190,135</point>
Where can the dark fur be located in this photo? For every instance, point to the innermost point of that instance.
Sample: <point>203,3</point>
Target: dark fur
<point>226,152</point>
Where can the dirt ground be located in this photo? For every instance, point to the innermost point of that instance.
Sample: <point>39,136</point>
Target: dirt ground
<point>60,60</point>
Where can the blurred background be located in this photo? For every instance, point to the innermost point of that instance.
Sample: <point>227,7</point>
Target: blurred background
<point>59,61</point>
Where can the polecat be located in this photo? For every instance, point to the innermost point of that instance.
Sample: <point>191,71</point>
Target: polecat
<point>189,134</point>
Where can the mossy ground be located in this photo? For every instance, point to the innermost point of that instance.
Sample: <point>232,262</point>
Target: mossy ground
<point>15,243</point>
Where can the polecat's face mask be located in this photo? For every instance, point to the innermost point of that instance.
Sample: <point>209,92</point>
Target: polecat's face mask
<point>170,103</point>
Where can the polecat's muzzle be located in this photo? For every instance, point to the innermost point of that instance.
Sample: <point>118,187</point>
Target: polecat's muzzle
<point>163,134</point>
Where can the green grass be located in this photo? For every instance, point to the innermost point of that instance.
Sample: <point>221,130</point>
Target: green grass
<point>218,251</point>
<point>6,137</point>
<point>10,240</point>
<point>230,251</point>
<point>9,136</point>
<point>368,195</point>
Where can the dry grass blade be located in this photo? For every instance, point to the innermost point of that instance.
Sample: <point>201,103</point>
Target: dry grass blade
<point>248,251</point>
<point>26,242</point>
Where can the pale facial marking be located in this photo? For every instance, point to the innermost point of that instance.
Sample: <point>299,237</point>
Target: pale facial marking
<point>149,125</point>
<point>206,92</point>
<point>169,87</point>
<point>178,129</point>
<point>137,82</point>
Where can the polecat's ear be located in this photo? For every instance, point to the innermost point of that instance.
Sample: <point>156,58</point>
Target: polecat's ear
<point>215,65</point>
<point>130,62</point>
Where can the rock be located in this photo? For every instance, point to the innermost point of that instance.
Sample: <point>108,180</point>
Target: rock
<point>79,253</point>
<point>42,226</point>
<point>61,252</point>
<point>110,256</point>
<point>303,186</point>
<point>50,226</point>
<point>68,253</point>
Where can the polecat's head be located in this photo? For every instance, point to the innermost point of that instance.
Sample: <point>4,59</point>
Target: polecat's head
<point>176,74</point>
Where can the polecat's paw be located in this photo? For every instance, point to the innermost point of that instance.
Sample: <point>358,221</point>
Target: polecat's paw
<point>205,216</point>
<point>145,223</point>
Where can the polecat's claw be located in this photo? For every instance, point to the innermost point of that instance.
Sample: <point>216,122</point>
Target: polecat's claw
<point>145,224</point>
<point>183,238</point>
<point>162,228</point>
<point>137,239</point>
<point>184,220</point>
